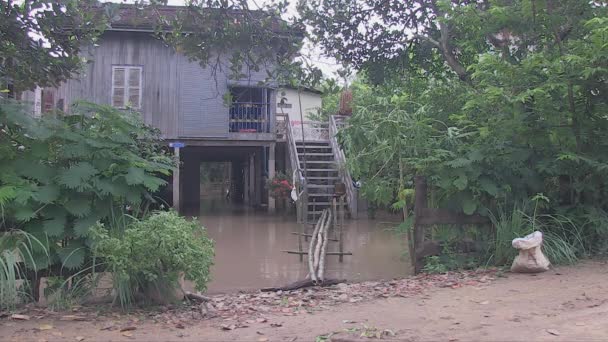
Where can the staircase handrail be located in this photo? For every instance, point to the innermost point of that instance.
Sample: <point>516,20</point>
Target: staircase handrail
<point>340,157</point>
<point>302,190</point>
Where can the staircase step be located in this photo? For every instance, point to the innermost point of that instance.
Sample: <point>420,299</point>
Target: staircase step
<point>321,170</point>
<point>314,149</point>
<point>323,204</point>
<point>313,142</point>
<point>315,178</point>
<point>318,162</point>
<point>315,154</point>
<point>321,185</point>
<point>320,195</point>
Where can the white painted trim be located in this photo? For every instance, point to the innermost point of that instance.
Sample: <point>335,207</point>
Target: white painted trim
<point>126,84</point>
<point>37,102</point>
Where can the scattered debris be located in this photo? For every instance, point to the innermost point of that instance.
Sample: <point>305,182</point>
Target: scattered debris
<point>553,332</point>
<point>129,328</point>
<point>72,318</point>
<point>45,327</point>
<point>79,338</point>
<point>239,310</point>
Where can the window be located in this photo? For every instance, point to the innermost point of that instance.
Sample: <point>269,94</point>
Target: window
<point>250,110</point>
<point>126,86</point>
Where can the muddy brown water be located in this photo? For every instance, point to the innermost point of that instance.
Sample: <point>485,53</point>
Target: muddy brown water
<point>249,249</point>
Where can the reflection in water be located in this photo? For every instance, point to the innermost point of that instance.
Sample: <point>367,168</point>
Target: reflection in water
<point>249,249</point>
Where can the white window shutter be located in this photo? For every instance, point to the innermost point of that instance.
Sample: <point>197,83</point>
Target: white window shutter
<point>126,86</point>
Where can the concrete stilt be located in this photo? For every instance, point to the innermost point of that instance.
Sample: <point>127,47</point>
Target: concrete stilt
<point>271,174</point>
<point>176,182</point>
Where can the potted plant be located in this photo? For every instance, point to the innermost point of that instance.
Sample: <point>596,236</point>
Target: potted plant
<point>279,187</point>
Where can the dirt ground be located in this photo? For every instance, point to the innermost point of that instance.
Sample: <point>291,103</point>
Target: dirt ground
<point>564,304</point>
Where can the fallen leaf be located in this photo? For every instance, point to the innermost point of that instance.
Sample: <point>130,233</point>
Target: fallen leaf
<point>228,327</point>
<point>79,338</point>
<point>485,302</point>
<point>57,333</point>
<point>127,334</point>
<point>261,320</point>
<point>276,325</point>
<point>129,328</point>
<point>20,317</point>
<point>263,339</point>
<point>180,326</point>
<point>72,318</point>
<point>45,327</point>
<point>553,332</point>
<point>348,321</point>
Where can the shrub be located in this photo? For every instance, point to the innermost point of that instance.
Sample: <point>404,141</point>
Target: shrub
<point>61,174</point>
<point>153,253</point>
<point>15,247</point>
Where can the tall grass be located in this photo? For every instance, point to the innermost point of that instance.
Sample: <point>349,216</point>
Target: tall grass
<point>563,240</point>
<point>508,225</point>
<point>15,249</point>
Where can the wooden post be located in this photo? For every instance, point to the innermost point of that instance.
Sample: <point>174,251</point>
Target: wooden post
<point>420,204</point>
<point>302,224</point>
<point>340,238</point>
<point>176,182</point>
<point>271,174</point>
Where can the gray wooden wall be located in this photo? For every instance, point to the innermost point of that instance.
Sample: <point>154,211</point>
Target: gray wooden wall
<point>179,97</point>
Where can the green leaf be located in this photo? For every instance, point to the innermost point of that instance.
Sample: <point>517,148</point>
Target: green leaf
<point>56,222</point>
<point>78,150</point>
<point>469,206</point>
<point>153,183</point>
<point>461,182</point>
<point>72,256</point>
<point>488,186</point>
<point>459,162</point>
<point>47,193</point>
<point>83,225</point>
<point>135,176</point>
<point>7,193</point>
<point>24,214</point>
<point>106,187</point>
<point>35,170</point>
<point>79,206</point>
<point>77,175</point>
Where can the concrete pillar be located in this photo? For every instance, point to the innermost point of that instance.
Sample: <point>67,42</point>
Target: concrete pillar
<point>259,174</point>
<point>251,185</point>
<point>191,182</point>
<point>271,174</point>
<point>176,182</point>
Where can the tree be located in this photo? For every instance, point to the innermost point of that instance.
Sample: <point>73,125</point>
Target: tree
<point>40,41</point>
<point>420,31</point>
<point>510,95</point>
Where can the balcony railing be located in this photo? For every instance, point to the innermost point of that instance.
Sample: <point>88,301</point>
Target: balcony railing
<point>249,117</point>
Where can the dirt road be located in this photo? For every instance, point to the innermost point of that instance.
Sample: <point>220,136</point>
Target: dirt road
<point>565,304</point>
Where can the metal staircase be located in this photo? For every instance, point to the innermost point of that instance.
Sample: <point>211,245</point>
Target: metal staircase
<point>319,164</point>
<point>316,159</point>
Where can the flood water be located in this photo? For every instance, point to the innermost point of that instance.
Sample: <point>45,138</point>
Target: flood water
<point>249,249</point>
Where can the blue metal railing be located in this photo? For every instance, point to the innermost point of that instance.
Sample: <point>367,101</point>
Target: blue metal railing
<point>249,117</point>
